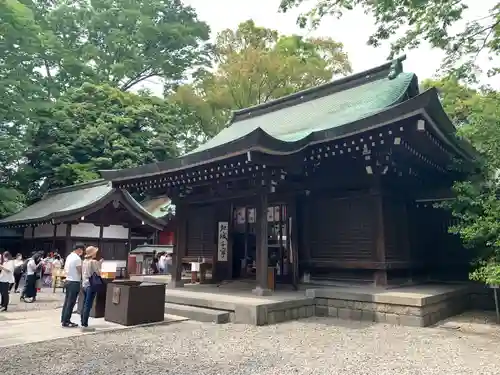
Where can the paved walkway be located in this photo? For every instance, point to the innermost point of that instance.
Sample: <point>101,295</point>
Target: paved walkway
<point>24,327</point>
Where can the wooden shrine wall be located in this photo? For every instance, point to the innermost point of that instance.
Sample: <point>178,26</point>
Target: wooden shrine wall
<point>201,232</point>
<point>338,234</point>
<point>341,228</point>
<point>442,254</point>
<point>397,241</point>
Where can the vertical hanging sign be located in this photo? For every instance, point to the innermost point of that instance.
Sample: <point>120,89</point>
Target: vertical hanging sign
<point>222,242</point>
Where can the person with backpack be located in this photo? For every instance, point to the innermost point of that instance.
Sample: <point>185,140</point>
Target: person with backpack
<point>91,282</point>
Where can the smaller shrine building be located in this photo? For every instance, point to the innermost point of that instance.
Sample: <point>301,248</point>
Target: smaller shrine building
<point>93,213</point>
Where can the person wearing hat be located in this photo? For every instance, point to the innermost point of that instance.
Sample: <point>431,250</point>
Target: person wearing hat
<point>90,267</point>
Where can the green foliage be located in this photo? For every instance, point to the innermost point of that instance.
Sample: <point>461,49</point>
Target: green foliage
<point>118,42</point>
<point>487,273</point>
<point>439,22</point>
<point>255,65</point>
<point>101,127</point>
<point>476,206</point>
<point>65,67</point>
<point>10,201</point>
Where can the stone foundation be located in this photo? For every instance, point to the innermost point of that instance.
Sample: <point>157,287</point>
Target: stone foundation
<point>293,313</point>
<point>391,307</point>
<point>388,313</point>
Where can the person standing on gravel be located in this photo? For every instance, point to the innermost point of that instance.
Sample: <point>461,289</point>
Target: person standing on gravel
<point>6,278</point>
<point>73,270</point>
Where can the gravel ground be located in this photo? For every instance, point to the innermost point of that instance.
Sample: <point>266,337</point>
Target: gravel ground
<point>310,346</point>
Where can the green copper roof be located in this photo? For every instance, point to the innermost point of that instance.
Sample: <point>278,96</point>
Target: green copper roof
<point>63,200</point>
<point>76,198</point>
<point>295,122</point>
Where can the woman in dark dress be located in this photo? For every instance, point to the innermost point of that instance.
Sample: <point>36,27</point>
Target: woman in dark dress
<point>154,264</point>
<point>32,274</point>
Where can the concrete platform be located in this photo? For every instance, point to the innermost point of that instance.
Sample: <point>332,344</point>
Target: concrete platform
<point>199,314</point>
<point>18,328</point>
<point>421,305</point>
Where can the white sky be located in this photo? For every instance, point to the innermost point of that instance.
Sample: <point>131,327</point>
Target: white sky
<point>352,30</point>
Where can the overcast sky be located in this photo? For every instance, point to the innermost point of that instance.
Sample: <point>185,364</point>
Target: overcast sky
<point>352,30</point>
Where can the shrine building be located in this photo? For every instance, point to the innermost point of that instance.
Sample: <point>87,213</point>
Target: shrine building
<point>337,182</point>
<point>93,213</point>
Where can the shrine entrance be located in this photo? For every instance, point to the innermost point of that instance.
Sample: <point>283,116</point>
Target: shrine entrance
<point>279,245</point>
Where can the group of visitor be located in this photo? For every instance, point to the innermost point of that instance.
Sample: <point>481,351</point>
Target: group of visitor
<point>80,275</point>
<point>51,264</point>
<point>162,263</point>
<point>11,272</point>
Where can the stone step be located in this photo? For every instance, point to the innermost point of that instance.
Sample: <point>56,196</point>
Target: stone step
<point>199,314</point>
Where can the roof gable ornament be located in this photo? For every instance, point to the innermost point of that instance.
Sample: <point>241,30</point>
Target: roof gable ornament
<point>396,67</point>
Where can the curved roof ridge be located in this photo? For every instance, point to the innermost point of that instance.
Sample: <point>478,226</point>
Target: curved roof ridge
<point>328,88</point>
<point>80,186</point>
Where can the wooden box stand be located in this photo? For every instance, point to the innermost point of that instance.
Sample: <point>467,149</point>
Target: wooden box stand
<point>130,303</point>
<point>99,305</point>
<point>271,278</point>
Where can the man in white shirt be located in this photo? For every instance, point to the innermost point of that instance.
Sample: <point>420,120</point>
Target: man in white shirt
<point>162,263</point>
<point>168,264</point>
<point>73,271</point>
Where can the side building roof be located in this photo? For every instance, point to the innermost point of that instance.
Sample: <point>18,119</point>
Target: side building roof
<point>73,202</point>
<point>337,109</point>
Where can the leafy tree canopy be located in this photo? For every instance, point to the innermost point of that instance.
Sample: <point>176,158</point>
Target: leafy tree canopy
<point>57,57</point>
<point>477,203</point>
<point>101,127</point>
<point>255,65</point>
<point>439,22</point>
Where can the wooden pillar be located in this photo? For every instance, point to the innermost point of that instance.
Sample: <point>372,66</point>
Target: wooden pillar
<point>68,244</point>
<point>33,242</point>
<point>262,252</point>
<point>380,275</point>
<point>405,238</point>
<point>101,235</point>
<point>292,240</point>
<point>129,249</point>
<point>180,243</point>
<point>230,242</point>
<point>54,236</point>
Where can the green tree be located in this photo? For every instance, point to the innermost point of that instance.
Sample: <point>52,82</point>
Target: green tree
<point>49,49</point>
<point>11,153</point>
<point>439,22</point>
<point>476,205</point>
<point>255,65</point>
<point>101,127</point>
<point>118,42</point>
